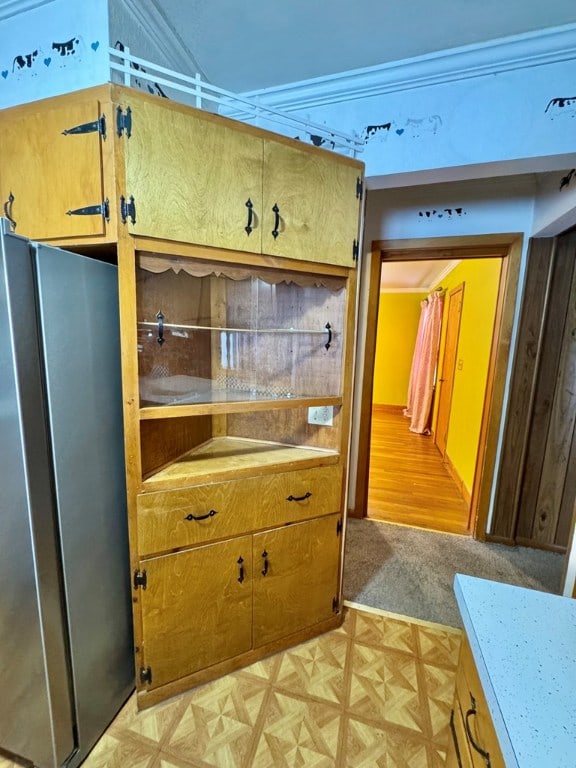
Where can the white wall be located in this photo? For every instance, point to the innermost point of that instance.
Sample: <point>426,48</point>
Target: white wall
<point>504,107</point>
<point>57,47</point>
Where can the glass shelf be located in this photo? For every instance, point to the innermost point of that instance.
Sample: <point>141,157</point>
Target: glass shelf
<point>222,335</point>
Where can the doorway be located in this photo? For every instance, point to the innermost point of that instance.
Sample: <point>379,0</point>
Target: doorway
<point>508,248</point>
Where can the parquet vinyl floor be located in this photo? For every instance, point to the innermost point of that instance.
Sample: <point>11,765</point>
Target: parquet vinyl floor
<point>376,692</point>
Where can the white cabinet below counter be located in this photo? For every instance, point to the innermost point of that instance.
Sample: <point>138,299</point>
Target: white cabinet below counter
<point>523,643</point>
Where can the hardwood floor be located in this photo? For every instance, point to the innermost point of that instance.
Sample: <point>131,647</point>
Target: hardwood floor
<point>409,482</point>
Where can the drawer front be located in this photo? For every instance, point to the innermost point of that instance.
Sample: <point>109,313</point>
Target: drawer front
<point>169,520</point>
<point>481,736</point>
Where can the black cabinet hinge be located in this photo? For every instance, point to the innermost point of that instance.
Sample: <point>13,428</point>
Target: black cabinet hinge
<point>335,604</point>
<point>127,209</point>
<point>145,675</point>
<point>124,121</point>
<point>140,579</point>
<point>96,126</point>
<point>339,527</point>
<point>355,250</point>
<point>103,209</point>
<point>359,187</point>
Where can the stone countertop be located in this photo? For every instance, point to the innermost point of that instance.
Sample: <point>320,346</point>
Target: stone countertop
<point>524,646</point>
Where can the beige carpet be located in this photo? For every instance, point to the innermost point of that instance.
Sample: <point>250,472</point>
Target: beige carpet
<point>376,692</point>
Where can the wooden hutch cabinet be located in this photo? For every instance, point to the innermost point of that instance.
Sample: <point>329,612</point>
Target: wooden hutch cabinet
<point>236,256</point>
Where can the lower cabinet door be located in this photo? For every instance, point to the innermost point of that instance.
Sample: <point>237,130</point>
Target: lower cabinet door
<point>295,577</point>
<point>196,608</point>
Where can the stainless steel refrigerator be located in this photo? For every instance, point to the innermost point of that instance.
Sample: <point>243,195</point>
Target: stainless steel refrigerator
<point>66,656</point>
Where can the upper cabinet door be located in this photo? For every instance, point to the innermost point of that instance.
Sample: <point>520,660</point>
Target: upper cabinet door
<point>310,205</point>
<point>51,181</point>
<point>193,178</point>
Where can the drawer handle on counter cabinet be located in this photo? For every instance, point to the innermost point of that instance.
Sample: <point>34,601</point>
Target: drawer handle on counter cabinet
<point>299,498</point>
<point>201,517</point>
<point>477,747</point>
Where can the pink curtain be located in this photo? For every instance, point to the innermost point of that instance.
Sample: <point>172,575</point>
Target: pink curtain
<point>421,385</point>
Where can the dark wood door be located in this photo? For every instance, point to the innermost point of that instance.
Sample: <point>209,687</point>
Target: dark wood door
<point>537,479</point>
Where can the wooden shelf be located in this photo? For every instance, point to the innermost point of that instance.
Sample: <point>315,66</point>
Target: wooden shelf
<point>222,456</point>
<point>238,406</point>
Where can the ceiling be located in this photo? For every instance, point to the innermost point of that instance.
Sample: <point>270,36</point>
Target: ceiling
<point>413,276</point>
<point>244,45</point>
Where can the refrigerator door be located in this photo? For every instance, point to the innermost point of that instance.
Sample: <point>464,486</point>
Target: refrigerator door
<point>78,307</point>
<point>36,719</point>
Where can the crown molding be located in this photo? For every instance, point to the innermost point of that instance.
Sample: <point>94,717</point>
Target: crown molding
<point>9,8</point>
<point>532,49</point>
<point>162,34</point>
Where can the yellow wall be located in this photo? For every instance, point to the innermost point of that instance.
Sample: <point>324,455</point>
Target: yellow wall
<point>481,279</point>
<point>398,318</point>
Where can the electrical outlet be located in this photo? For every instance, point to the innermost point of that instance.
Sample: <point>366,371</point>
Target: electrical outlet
<point>321,414</point>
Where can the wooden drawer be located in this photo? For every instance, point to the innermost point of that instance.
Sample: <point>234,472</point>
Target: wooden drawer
<point>169,520</point>
<point>476,718</point>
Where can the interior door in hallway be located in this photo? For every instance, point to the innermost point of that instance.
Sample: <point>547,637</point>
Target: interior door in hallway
<point>446,379</point>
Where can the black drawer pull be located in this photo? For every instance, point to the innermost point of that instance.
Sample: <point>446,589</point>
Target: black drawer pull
<point>201,517</point>
<point>240,569</point>
<point>477,747</point>
<point>8,211</point>
<point>276,230</point>
<point>250,205</point>
<point>299,498</point>
<point>264,570</point>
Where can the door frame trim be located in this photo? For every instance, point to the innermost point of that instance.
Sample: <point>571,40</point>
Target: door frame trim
<point>509,248</point>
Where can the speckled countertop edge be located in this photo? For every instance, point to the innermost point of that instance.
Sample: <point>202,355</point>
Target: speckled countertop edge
<point>524,645</point>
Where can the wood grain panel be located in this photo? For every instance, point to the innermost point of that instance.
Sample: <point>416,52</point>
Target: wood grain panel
<point>561,429</point>
<point>216,459</point>
<point>562,266</point>
<point>162,441</point>
<point>316,195</point>
<point>238,506</point>
<point>300,579</point>
<point>290,426</point>
<point>50,173</point>
<point>195,611</point>
<point>522,388</point>
<point>214,171</point>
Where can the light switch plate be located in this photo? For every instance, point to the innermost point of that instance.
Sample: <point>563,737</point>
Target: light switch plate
<point>321,414</point>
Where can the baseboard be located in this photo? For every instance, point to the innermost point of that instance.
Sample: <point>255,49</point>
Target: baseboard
<point>383,408</point>
<point>466,495</point>
<point>522,542</point>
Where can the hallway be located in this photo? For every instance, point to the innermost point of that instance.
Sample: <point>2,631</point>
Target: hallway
<point>409,482</point>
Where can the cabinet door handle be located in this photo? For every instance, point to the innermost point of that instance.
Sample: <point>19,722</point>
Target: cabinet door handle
<point>477,747</point>
<point>299,498</point>
<point>250,205</point>
<point>240,569</point>
<point>201,517</point>
<point>8,211</point>
<point>264,570</point>
<point>160,318</point>
<point>276,211</point>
